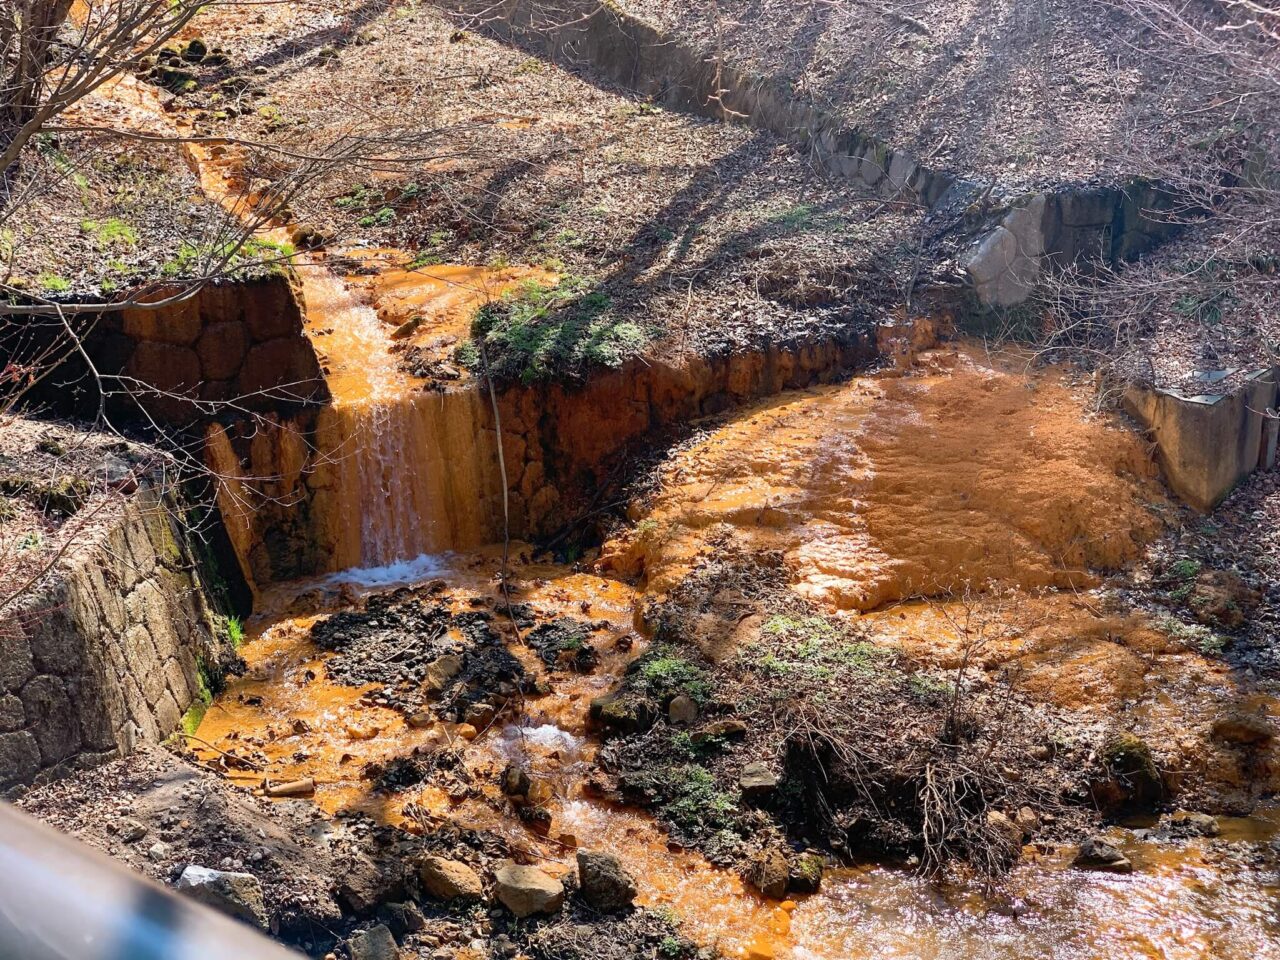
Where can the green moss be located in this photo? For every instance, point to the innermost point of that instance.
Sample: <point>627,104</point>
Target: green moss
<point>1185,569</point>
<point>194,716</point>
<point>52,283</point>
<point>62,496</point>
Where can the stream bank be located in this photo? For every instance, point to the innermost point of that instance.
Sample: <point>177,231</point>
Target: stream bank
<point>410,708</point>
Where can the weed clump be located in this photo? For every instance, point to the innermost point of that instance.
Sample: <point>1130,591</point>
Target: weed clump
<point>540,332</point>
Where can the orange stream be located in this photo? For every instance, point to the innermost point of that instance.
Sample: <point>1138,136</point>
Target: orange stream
<point>819,474</point>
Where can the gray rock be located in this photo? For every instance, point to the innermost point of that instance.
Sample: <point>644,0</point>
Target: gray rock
<point>19,758</point>
<point>52,719</point>
<point>757,780</point>
<point>1186,824</point>
<point>605,883</point>
<point>402,918</point>
<point>622,712</point>
<point>376,943</point>
<point>527,890</point>
<point>448,879</point>
<point>1097,854</point>
<point>1005,265</point>
<point>12,715</point>
<point>160,851</point>
<point>238,895</point>
<point>682,710</point>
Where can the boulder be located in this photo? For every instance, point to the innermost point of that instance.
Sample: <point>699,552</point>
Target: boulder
<point>757,780</point>
<point>441,670</point>
<point>769,872</point>
<point>1243,728</point>
<point>448,879</point>
<point>1097,854</point>
<point>376,943</point>
<point>527,890</point>
<point>805,873</point>
<point>682,710</point>
<point>605,883</point>
<point>238,895</point>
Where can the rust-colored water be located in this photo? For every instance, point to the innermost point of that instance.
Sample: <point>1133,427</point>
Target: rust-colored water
<point>1197,901</point>
<point>823,474</point>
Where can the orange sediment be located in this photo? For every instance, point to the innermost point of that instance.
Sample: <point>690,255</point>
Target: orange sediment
<point>965,472</point>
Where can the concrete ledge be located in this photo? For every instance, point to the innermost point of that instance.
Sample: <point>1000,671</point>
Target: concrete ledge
<point>1207,443</point>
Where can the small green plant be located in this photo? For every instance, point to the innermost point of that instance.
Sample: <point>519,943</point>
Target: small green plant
<point>693,801</point>
<point>1195,635</point>
<point>111,233</point>
<point>1185,569</point>
<point>663,673</point>
<point>31,541</point>
<point>357,198</point>
<point>537,331</point>
<point>928,688</point>
<point>235,632</point>
<point>796,217</point>
<point>383,217</point>
<point>52,283</point>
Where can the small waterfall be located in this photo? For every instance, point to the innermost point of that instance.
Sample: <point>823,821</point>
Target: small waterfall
<point>401,471</point>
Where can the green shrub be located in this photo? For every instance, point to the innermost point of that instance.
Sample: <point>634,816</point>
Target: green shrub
<point>539,332</point>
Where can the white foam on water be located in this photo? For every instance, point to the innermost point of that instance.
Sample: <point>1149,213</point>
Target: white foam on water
<point>399,573</point>
<point>545,737</point>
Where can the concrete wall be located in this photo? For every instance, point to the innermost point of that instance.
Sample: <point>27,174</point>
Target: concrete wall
<point>106,655</point>
<point>283,494</point>
<point>1208,443</point>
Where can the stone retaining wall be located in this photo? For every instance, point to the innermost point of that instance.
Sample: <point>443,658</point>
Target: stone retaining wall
<point>241,342</point>
<point>109,654</point>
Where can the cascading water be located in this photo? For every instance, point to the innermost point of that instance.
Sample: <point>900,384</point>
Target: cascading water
<point>402,471</point>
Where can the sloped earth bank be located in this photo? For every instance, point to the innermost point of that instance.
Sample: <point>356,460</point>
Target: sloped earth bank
<point>870,633</point>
